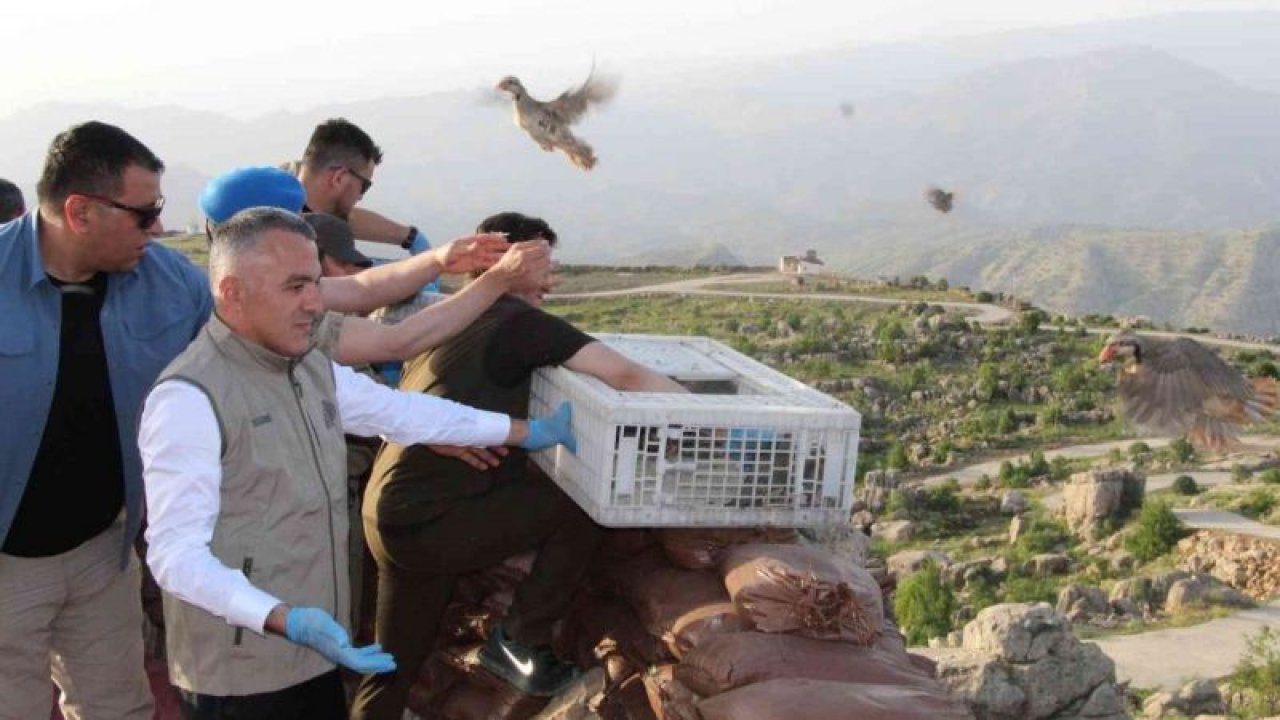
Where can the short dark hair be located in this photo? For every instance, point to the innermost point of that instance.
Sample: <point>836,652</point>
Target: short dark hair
<point>91,158</point>
<point>243,232</point>
<point>338,141</point>
<point>12,204</point>
<point>518,227</point>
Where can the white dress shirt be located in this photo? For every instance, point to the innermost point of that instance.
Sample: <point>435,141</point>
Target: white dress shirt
<point>181,448</point>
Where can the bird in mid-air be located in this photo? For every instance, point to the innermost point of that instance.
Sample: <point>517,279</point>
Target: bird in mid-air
<point>548,122</point>
<point>1178,387</point>
<point>847,110</point>
<point>940,199</point>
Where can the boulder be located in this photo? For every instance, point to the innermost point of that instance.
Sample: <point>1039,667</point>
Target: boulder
<point>895,530</point>
<point>1090,499</point>
<point>1204,591</point>
<point>908,561</point>
<point>1080,602</point>
<point>846,542</point>
<point>1013,503</point>
<point>1021,662</point>
<point>1134,596</point>
<point>1199,698</point>
<point>1048,564</point>
<point>1017,526</point>
<point>1017,632</point>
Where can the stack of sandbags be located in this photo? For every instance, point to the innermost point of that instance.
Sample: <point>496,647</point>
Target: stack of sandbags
<point>709,624</point>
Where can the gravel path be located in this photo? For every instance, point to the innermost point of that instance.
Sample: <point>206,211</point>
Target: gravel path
<point>1168,659</point>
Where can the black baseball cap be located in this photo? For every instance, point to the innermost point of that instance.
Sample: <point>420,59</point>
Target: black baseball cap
<point>335,239</point>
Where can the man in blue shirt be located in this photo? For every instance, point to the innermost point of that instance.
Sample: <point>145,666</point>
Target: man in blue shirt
<point>90,312</point>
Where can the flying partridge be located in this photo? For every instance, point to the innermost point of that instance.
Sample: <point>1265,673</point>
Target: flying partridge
<point>940,199</point>
<point>548,122</point>
<point>1178,387</point>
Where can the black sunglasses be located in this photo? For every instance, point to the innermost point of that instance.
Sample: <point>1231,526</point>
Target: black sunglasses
<point>365,183</point>
<point>146,215</point>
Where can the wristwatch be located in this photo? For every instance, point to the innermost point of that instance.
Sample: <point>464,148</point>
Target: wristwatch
<point>408,239</point>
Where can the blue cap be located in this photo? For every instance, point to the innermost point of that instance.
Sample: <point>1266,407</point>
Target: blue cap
<point>247,187</point>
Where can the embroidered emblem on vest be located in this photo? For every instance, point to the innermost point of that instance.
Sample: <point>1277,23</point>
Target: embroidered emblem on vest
<point>260,420</point>
<point>330,414</point>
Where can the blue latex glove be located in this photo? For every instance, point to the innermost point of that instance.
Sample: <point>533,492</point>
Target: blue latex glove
<point>420,245</point>
<point>552,430</point>
<point>317,630</point>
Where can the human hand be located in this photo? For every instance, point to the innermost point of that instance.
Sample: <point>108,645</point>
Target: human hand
<point>480,458</point>
<point>552,430</point>
<point>316,629</point>
<point>526,266</point>
<point>471,252</point>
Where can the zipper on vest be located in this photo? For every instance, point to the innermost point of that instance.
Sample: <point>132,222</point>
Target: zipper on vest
<point>314,439</point>
<point>247,569</point>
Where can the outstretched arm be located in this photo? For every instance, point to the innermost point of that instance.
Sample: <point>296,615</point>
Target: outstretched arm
<point>376,227</point>
<point>376,287</point>
<point>363,341</point>
<point>620,372</point>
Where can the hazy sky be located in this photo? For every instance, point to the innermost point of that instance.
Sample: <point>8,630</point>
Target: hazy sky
<point>245,57</point>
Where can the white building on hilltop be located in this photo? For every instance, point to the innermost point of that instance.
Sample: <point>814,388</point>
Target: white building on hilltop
<point>807,264</point>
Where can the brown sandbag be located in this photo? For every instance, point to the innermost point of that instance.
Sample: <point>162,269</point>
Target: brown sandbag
<point>730,661</point>
<point>704,548</point>
<point>800,699</point>
<point>891,640</point>
<point>668,697</point>
<point>804,590</point>
<point>668,594</point>
<point>700,623</point>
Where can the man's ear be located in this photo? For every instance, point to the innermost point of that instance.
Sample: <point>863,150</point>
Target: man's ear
<point>231,292</point>
<point>75,213</point>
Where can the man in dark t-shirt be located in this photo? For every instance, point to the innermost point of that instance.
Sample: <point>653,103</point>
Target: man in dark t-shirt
<point>431,514</point>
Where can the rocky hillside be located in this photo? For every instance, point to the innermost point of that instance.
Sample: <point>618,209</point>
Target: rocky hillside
<point>1223,280</point>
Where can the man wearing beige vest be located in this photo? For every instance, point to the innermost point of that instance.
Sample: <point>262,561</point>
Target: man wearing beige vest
<point>244,465</point>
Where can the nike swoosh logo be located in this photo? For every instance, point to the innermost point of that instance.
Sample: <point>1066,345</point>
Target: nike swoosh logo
<point>525,668</point>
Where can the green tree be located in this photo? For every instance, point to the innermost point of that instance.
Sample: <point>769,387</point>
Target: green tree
<point>1240,473</point>
<point>1029,321</point>
<point>1156,532</point>
<point>1183,451</point>
<point>1270,476</point>
<point>924,604</point>
<point>1185,485</point>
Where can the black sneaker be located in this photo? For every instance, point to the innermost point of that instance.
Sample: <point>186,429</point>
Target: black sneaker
<point>534,671</point>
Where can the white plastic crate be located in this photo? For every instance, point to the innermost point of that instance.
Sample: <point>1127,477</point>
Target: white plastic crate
<point>749,446</point>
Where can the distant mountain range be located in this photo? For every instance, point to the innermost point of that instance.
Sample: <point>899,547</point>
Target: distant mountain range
<point>1101,167</point>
